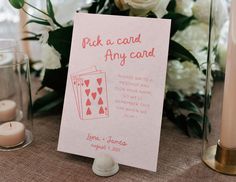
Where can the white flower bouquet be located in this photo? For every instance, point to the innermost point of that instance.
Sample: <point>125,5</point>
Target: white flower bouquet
<point>188,51</point>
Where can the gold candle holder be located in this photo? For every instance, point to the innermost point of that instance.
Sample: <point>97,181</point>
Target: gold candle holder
<point>220,159</point>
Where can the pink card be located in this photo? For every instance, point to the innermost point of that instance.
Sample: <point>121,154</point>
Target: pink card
<point>115,88</point>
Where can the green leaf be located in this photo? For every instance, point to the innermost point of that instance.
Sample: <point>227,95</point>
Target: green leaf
<point>179,52</point>
<point>50,9</point>
<point>55,79</point>
<point>61,39</point>
<point>194,128</point>
<point>93,8</point>
<point>101,4</point>
<point>191,123</point>
<point>181,122</point>
<point>196,117</point>
<point>188,105</point>
<point>38,22</point>
<point>169,113</point>
<point>151,15</point>
<point>171,6</point>
<point>18,4</point>
<point>197,99</point>
<point>218,75</point>
<point>48,102</point>
<point>113,10</point>
<point>176,96</point>
<point>30,38</point>
<point>178,21</point>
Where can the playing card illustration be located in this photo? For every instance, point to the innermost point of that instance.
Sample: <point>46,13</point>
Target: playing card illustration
<point>90,91</point>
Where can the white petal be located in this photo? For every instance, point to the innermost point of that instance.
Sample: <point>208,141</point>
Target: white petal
<point>50,57</point>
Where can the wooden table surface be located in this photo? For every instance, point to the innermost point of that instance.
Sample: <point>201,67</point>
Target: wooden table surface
<point>179,156</point>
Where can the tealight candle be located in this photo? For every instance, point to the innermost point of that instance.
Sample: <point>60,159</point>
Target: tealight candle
<point>12,134</point>
<point>7,110</point>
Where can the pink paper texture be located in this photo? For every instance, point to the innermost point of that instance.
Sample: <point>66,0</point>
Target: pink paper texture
<point>115,88</point>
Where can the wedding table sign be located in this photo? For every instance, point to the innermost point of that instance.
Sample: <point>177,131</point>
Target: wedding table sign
<point>115,88</point>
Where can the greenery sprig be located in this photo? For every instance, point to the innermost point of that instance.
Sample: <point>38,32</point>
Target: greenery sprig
<point>19,4</point>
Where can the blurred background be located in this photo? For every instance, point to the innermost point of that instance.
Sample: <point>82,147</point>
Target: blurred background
<point>12,21</point>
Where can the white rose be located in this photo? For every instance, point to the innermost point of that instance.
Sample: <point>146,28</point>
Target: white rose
<point>202,56</point>
<point>196,42</point>
<point>194,37</point>
<point>222,46</point>
<point>224,33</point>
<point>184,7</point>
<point>50,57</point>
<point>222,55</point>
<point>185,77</point>
<point>44,37</point>
<point>142,7</point>
<point>68,6</point>
<point>160,10</point>
<point>201,10</point>
<point>122,5</point>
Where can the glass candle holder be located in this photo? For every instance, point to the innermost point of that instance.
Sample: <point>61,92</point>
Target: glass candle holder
<point>219,145</point>
<point>15,98</point>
